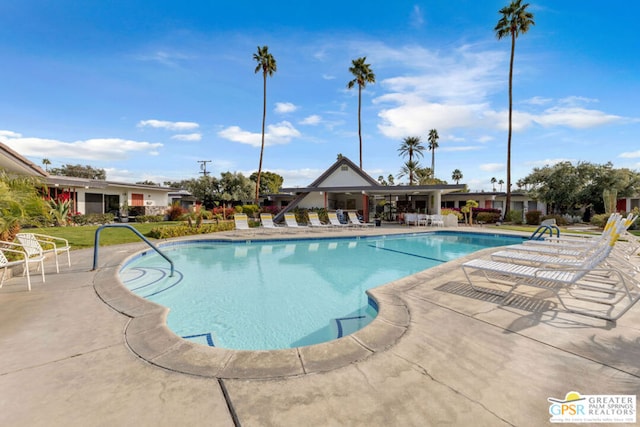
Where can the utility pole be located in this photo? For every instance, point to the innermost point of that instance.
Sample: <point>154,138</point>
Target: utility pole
<point>203,167</point>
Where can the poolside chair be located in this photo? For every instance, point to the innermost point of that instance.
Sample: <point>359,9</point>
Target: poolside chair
<point>314,221</point>
<point>23,259</point>
<point>241,221</point>
<point>335,222</point>
<point>597,288</point>
<point>291,222</point>
<point>353,219</point>
<point>437,221</point>
<point>266,221</point>
<point>37,244</point>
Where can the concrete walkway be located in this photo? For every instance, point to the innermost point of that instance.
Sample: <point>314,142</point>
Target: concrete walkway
<point>79,351</point>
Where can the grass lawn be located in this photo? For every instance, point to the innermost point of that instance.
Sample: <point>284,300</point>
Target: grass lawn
<point>83,236</point>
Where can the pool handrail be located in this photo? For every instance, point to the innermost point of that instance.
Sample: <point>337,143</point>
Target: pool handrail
<point>144,239</point>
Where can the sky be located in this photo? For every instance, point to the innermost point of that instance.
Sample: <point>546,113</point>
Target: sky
<point>147,90</point>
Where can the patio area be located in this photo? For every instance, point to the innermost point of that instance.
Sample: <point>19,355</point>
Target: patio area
<point>449,355</point>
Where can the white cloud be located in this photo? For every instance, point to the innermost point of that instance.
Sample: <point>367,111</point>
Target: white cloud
<point>548,162</point>
<point>90,149</point>
<point>9,134</point>
<point>172,126</point>
<point>188,137</point>
<point>485,139</point>
<point>311,120</point>
<point>492,167</point>
<point>417,19</point>
<point>328,77</point>
<point>280,133</point>
<point>573,101</point>
<point>537,100</point>
<point>630,154</point>
<point>285,107</point>
<point>461,148</point>
<point>162,57</point>
<point>575,117</point>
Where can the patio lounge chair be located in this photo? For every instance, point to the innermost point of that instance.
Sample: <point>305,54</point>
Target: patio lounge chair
<point>24,260</point>
<point>314,221</point>
<point>335,222</point>
<point>266,221</point>
<point>241,221</point>
<point>291,222</point>
<point>39,244</point>
<point>596,288</point>
<point>357,223</point>
<point>437,221</point>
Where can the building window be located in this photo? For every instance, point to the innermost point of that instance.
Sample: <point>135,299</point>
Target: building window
<point>344,168</point>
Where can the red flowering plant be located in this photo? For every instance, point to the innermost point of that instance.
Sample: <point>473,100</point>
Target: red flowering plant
<point>60,208</point>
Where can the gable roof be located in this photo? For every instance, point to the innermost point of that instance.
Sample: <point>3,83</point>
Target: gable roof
<point>339,163</point>
<point>14,163</point>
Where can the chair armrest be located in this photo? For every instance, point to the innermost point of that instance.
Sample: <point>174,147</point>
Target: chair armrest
<point>51,239</point>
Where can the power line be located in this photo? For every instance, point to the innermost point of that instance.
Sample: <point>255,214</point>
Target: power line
<point>203,167</point>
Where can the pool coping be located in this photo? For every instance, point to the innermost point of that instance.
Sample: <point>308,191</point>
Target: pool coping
<point>148,336</point>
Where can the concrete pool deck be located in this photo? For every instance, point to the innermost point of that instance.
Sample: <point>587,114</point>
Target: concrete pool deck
<point>440,354</point>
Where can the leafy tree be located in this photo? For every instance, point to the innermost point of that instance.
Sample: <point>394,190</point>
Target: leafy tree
<point>20,203</point>
<point>411,146</point>
<point>266,63</point>
<point>515,20</point>
<point>147,182</point>
<point>433,144</point>
<point>235,187</point>
<point>363,75</point>
<point>270,183</point>
<point>456,175</point>
<point>79,171</point>
<point>382,181</point>
<point>425,177</point>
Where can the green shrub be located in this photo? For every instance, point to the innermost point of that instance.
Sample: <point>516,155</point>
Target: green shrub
<point>149,218</point>
<point>93,218</point>
<point>446,212</point>
<point>169,231</point>
<point>600,220</point>
<point>560,220</point>
<point>251,210</point>
<point>488,217</point>
<point>514,217</point>
<point>533,217</point>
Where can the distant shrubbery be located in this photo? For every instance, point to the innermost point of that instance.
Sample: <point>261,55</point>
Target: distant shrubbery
<point>533,217</point>
<point>149,218</point>
<point>561,221</point>
<point>169,231</point>
<point>488,217</point>
<point>92,218</point>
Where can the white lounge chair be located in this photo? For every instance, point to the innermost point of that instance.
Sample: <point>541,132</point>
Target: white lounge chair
<point>335,222</point>
<point>37,244</point>
<point>241,221</point>
<point>291,222</point>
<point>24,260</point>
<point>437,221</point>
<point>314,221</point>
<point>266,221</point>
<point>353,218</point>
<point>596,288</point>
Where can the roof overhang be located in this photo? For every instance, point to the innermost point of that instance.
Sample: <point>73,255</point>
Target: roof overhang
<point>14,163</point>
<point>381,190</point>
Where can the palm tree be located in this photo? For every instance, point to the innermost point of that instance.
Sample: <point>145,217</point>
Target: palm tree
<point>433,144</point>
<point>500,184</point>
<point>266,63</point>
<point>456,175</point>
<point>409,168</point>
<point>493,182</point>
<point>515,20</point>
<point>411,145</point>
<point>46,162</point>
<point>363,75</point>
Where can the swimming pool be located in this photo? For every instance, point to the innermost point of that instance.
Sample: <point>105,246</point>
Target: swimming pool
<point>275,294</point>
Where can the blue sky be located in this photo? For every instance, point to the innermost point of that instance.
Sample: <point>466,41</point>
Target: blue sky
<point>146,89</point>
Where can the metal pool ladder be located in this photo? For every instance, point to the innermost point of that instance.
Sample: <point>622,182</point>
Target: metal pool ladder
<point>144,239</point>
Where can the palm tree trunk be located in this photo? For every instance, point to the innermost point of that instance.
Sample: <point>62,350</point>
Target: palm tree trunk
<point>433,163</point>
<point>264,118</point>
<point>359,121</point>
<point>508,200</point>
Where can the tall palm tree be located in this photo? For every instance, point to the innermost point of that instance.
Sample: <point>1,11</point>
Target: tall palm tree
<point>410,168</point>
<point>500,183</point>
<point>411,146</point>
<point>493,182</point>
<point>456,175</point>
<point>363,75</point>
<point>433,144</point>
<point>266,63</point>
<point>46,162</point>
<point>515,20</point>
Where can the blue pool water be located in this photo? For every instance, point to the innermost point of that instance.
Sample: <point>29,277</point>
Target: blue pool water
<point>282,294</point>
